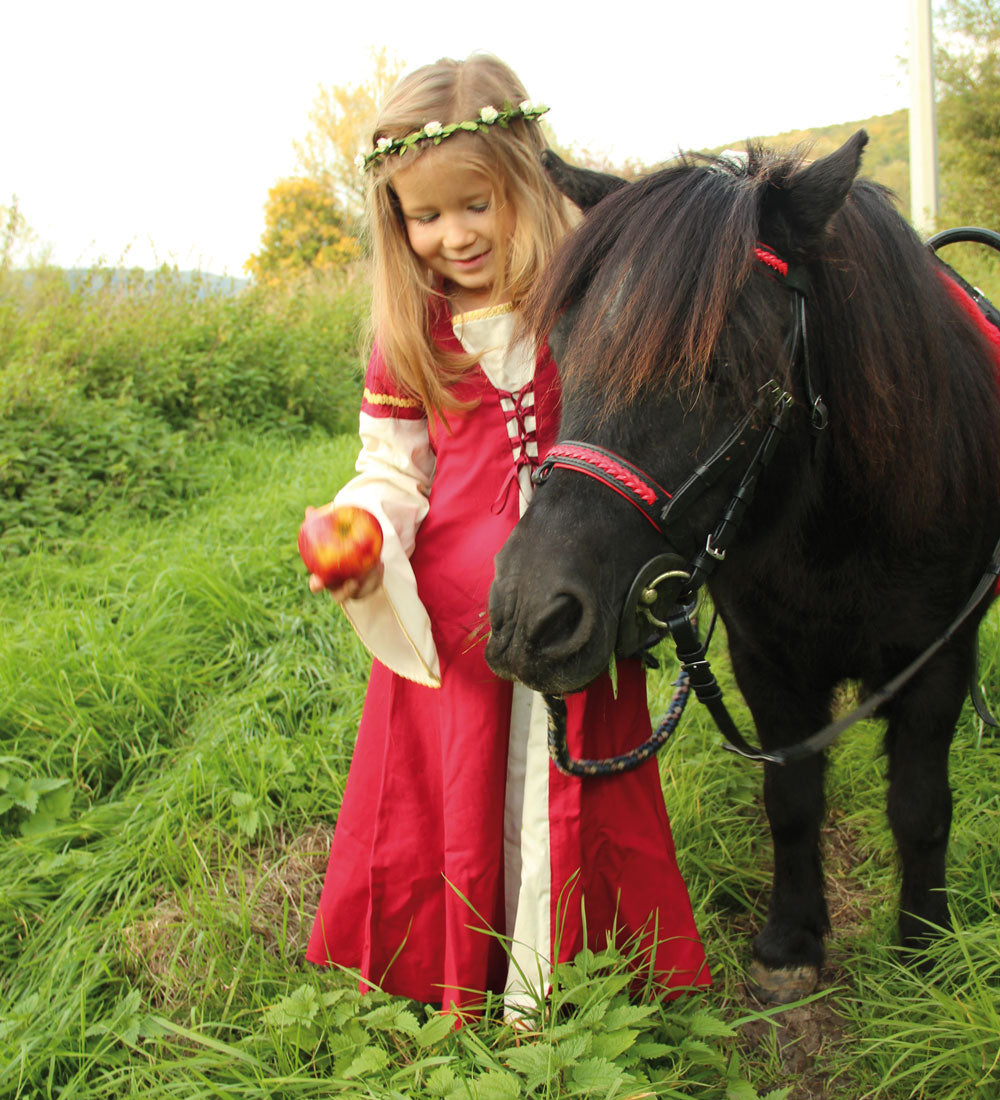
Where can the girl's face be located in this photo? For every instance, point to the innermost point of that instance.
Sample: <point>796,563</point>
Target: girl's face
<point>452,225</point>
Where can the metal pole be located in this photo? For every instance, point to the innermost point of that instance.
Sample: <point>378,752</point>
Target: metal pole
<point>923,126</point>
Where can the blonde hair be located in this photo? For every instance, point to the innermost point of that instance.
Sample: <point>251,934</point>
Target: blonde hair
<point>403,289</point>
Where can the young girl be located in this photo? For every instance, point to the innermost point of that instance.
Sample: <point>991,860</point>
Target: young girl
<point>462,860</point>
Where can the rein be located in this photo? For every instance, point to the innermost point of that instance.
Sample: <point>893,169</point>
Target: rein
<point>663,509</point>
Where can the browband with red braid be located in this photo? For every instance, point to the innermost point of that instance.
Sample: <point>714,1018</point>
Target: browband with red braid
<point>611,470</point>
<point>789,275</point>
<point>775,263</point>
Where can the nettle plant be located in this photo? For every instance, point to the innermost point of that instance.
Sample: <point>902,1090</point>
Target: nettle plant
<point>31,803</point>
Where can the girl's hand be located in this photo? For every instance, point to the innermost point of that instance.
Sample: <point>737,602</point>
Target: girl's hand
<point>354,589</point>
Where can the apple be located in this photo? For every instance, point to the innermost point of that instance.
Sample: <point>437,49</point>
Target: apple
<point>338,544</point>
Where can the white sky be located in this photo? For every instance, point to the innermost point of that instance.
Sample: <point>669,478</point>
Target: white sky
<point>145,132</point>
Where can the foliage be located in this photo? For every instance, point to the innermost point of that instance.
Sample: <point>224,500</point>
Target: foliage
<point>342,120</point>
<point>15,235</point>
<point>59,463</point>
<point>967,66</point>
<point>106,380</point>
<point>305,234</point>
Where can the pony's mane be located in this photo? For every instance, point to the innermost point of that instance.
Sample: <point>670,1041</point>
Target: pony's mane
<point>665,292</point>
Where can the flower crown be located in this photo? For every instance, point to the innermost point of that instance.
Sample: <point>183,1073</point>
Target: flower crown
<point>436,132</point>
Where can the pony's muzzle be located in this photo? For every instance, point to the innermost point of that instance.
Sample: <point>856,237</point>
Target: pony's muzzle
<point>529,639</point>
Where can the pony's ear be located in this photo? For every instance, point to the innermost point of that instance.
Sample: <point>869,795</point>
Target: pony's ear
<point>582,186</point>
<point>810,197</point>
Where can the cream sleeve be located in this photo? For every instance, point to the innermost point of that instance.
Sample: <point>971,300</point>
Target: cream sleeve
<point>394,473</point>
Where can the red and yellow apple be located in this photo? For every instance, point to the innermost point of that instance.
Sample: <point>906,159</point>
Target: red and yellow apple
<point>340,544</point>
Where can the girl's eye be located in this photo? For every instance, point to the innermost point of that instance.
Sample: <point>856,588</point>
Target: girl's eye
<point>426,219</point>
<point>480,207</point>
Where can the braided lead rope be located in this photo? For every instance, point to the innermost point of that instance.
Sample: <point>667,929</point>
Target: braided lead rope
<point>614,765</point>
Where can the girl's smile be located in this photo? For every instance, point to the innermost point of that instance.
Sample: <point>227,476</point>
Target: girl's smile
<point>451,223</point>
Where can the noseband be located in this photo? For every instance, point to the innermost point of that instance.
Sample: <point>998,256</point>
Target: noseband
<point>666,511</point>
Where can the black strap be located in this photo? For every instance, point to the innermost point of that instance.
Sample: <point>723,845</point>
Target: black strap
<point>694,661</point>
<point>707,473</point>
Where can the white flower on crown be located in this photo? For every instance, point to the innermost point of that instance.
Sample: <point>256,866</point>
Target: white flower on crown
<point>360,160</point>
<point>383,143</point>
<point>489,114</point>
<point>527,106</point>
<point>433,128</point>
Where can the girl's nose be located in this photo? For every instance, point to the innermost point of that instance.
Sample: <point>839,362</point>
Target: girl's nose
<point>458,233</point>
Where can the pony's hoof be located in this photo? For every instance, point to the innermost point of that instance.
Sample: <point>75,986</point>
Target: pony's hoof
<point>781,985</point>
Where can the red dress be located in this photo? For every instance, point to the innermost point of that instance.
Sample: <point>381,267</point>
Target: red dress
<point>419,872</point>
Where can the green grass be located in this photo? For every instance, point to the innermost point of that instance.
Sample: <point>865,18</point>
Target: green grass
<point>177,714</point>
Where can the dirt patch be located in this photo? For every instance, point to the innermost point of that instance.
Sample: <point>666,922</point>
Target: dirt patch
<point>800,1043</point>
<point>803,1046</point>
<point>274,888</point>
<point>286,894</point>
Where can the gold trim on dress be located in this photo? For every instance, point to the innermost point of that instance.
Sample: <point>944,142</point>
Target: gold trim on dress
<point>479,314</point>
<point>390,399</point>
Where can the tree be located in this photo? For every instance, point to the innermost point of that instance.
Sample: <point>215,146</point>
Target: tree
<point>967,66</point>
<point>15,235</point>
<point>342,121</point>
<point>306,233</point>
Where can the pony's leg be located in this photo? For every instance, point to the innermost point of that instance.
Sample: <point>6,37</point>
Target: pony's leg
<point>788,952</point>
<point>921,727</point>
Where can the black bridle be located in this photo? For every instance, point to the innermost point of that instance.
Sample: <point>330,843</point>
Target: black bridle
<point>667,511</point>
<point>662,596</point>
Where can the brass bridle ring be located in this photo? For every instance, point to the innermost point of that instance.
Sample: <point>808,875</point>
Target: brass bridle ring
<point>649,595</point>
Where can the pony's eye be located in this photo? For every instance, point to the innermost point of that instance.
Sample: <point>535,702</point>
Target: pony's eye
<point>719,368</point>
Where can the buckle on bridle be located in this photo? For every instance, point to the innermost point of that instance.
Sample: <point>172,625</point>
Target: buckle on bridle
<point>719,555</point>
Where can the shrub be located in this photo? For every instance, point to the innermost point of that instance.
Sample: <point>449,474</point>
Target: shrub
<point>59,462</point>
<point>105,375</point>
<point>178,345</point>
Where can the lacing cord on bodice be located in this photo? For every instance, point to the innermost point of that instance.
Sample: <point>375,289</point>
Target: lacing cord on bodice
<point>518,408</point>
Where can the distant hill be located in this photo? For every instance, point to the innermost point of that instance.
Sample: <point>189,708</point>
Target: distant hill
<point>206,282</point>
<point>886,157</point>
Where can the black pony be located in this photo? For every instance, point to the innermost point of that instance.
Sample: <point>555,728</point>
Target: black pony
<point>674,312</point>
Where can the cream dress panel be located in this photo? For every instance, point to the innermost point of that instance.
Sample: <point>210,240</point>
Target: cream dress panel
<point>527,862</point>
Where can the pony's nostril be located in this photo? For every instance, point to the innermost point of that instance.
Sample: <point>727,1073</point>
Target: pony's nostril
<point>562,624</point>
